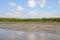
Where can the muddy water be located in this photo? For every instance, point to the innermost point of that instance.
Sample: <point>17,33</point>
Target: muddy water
<point>29,31</point>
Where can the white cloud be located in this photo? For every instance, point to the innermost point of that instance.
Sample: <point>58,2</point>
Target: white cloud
<point>34,13</point>
<point>31,3</point>
<point>16,14</point>
<point>46,14</point>
<point>9,14</point>
<point>12,14</point>
<point>12,4</point>
<point>20,8</point>
<point>42,14</point>
<point>41,3</point>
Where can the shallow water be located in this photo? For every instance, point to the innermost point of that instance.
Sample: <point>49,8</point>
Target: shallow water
<point>29,31</point>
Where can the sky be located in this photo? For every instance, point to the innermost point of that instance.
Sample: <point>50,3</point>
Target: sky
<point>30,8</point>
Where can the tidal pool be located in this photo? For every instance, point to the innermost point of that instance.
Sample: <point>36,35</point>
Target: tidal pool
<point>29,31</point>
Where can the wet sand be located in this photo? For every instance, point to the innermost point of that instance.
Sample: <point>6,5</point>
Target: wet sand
<point>31,26</point>
<point>29,30</point>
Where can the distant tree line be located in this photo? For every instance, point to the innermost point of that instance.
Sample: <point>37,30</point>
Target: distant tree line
<point>30,19</point>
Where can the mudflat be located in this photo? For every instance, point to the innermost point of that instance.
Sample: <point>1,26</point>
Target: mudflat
<point>31,26</point>
<point>29,30</point>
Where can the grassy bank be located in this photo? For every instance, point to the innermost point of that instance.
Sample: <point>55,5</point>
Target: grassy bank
<point>30,19</point>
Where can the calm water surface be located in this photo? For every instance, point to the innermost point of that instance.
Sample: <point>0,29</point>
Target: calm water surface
<point>29,31</point>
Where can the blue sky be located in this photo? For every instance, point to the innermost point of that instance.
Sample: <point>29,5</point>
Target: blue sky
<point>30,8</point>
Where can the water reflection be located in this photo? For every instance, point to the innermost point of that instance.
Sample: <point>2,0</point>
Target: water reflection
<point>42,36</point>
<point>22,35</point>
<point>31,36</point>
<point>19,32</point>
<point>12,37</point>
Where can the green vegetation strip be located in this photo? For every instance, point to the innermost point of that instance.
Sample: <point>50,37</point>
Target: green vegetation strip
<point>30,19</point>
